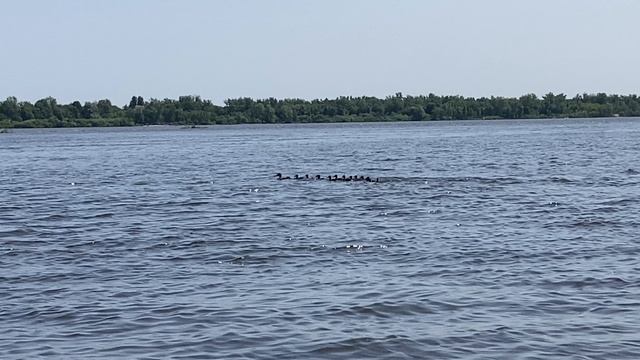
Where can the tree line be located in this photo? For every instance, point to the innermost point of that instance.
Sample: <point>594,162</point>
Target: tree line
<point>193,110</point>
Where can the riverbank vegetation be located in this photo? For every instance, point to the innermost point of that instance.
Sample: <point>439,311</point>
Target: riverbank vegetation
<point>192,110</point>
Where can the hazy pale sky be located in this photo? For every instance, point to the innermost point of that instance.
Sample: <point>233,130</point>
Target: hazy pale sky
<point>89,49</point>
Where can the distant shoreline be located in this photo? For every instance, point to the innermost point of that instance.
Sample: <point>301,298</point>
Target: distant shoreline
<point>194,111</point>
<point>355,123</point>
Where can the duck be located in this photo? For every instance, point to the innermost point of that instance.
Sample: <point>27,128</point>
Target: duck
<point>329,177</point>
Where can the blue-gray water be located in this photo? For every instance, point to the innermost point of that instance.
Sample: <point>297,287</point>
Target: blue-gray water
<point>484,240</point>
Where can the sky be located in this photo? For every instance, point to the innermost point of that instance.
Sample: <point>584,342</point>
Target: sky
<point>90,50</point>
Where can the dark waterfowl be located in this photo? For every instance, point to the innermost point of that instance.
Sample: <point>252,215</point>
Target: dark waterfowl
<point>329,177</point>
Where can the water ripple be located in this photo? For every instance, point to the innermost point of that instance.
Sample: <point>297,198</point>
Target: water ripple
<point>483,240</point>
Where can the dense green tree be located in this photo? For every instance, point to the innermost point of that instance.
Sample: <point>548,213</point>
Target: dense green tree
<point>89,110</point>
<point>191,110</point>
<point>133,102</point>
<point>44,108</point>
<point>27,110</point>
<point>75,109</point>
<point>103,108</point>
<point>10,109</point>
<point>416,113</point>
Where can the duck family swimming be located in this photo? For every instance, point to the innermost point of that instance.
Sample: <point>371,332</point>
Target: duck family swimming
<point>363,178</point>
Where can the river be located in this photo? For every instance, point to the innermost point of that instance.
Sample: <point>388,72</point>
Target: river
<point>482,240</point>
